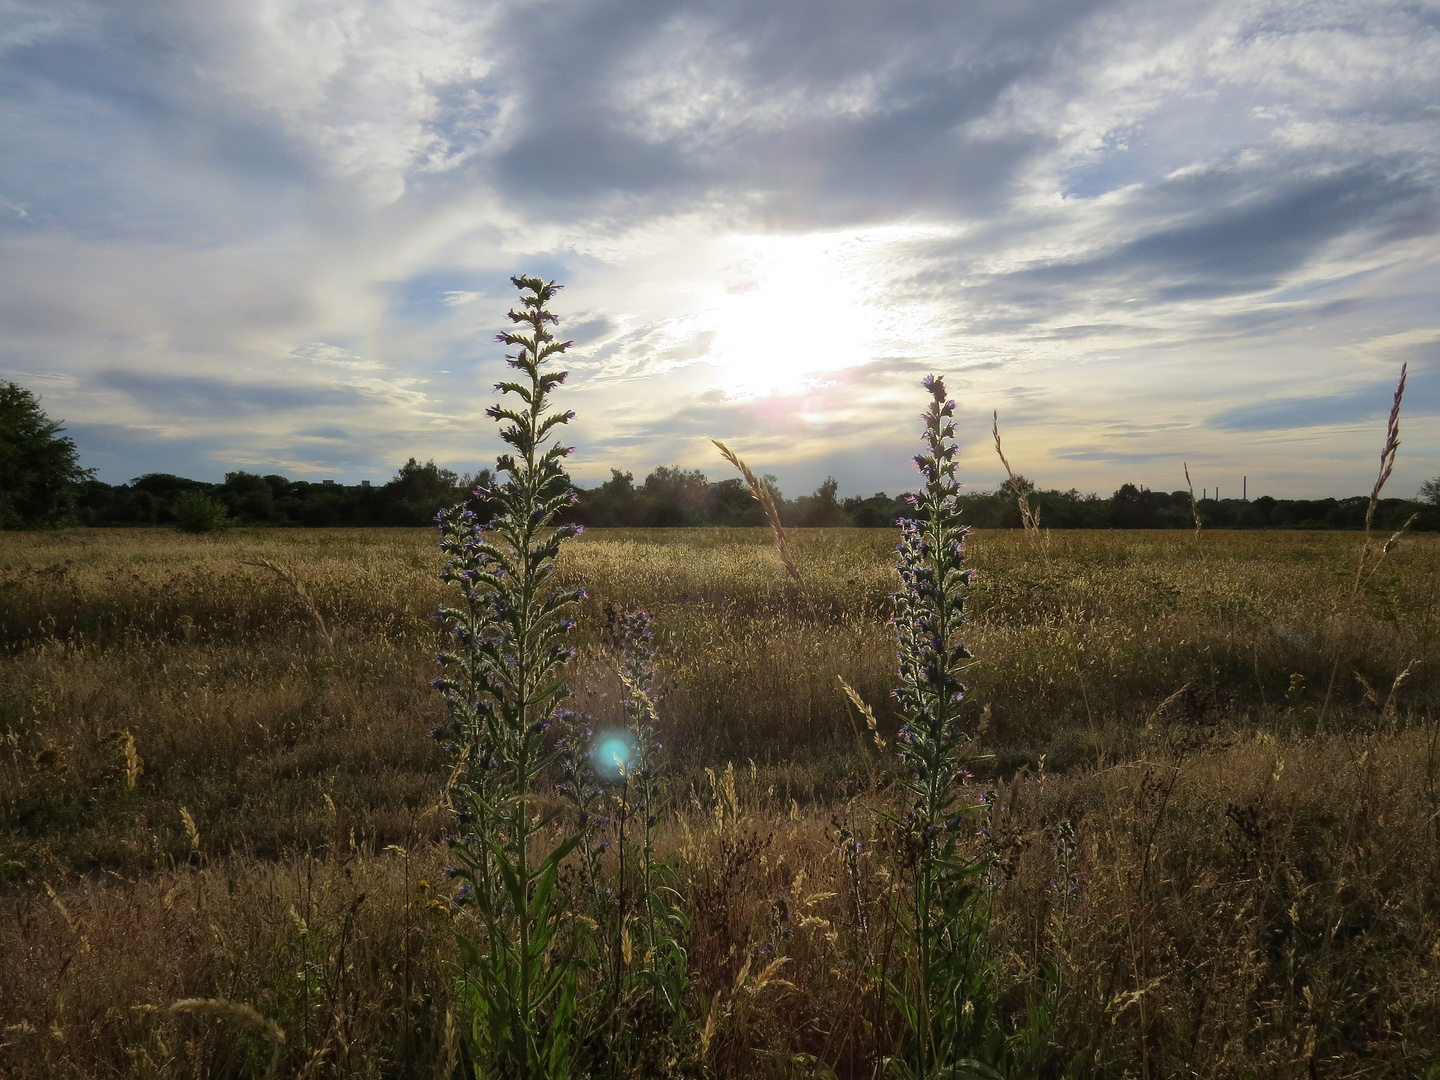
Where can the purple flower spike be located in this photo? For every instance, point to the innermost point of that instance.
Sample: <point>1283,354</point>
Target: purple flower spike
<point>497,569</point>
<point>929,613</point>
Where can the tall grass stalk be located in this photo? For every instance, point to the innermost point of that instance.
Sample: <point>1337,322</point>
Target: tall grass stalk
<point>761,493</point>
<point>640,775</point>
<point>652,924</point>
<point>242,1015</point>
<point>296,586</point>
<point>1369,559</point>
<point>1029,516</point>
<point>942,997</point>
<point>503,686</point>
<point>1194,508</point>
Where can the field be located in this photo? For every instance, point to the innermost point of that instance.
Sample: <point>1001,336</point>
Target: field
<point>1215,841</point>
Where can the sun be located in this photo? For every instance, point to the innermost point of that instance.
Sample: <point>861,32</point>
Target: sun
<point>790,307</point>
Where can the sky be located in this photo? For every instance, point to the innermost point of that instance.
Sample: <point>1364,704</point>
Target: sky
<point>277,235</point>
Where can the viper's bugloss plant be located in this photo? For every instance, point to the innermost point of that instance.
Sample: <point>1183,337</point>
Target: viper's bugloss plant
<point>941,996</point>
<point>503,684</point>
<point>635,1014</point>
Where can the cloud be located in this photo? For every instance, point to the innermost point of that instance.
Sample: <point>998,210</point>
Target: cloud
<point>202,396</point>
<point>1359,404</point>
<point>1247,240</point>
<point>1095,453</point>
<point>265,233</point>
<point>825,116</point>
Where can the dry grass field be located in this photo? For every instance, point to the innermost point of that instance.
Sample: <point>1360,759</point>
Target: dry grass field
<point>215,782</point>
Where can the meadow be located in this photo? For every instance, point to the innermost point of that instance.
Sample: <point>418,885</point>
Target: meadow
<point>1214,846</point>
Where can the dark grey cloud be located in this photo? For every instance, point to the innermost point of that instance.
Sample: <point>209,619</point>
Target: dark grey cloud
<point>1229,229</point>
<point>909,75</point>
<point>1085,330</point>
<point>206,396</point>
<point>714,415</point>
<point>1368,402</point>
<point>587,330</point>
<point>120,453</point>
<point>1094,453</point>
<point>111,133</point>
<point>1273,317</point>
<point>1246,232</point>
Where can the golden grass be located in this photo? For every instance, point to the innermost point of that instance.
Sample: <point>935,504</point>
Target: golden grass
<point>1269,903</point>
<point>1253,898</point>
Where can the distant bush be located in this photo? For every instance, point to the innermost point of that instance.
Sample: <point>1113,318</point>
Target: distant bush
<point>196,512</point>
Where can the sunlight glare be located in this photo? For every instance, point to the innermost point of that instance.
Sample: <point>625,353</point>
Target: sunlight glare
<point>791,306</point>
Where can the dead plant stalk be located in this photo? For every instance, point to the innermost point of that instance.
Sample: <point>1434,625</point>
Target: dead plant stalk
<point>1194,508</point>
<point>1029,516</point>
<point>1370,559</point>
<point>761,494</point>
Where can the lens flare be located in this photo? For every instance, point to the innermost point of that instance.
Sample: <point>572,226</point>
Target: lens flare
<point>612,753</point>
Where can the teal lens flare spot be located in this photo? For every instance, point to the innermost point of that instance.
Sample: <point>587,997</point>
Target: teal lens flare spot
<point>612,754</point>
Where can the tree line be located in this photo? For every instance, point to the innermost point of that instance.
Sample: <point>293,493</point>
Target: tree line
<point>43,485</point>
<point>417,491</point>
<point>672,497</point>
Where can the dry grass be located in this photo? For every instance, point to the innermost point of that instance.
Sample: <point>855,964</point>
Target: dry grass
<point>1252,898</point>
<point>761,494</point>
<point>1029,516</point>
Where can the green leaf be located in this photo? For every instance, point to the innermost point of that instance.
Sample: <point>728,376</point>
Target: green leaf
<point>469,955</point>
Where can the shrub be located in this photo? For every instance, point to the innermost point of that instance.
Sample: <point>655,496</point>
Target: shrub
<point>196,512</point>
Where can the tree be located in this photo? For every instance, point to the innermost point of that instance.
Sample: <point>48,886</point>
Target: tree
<point>615,502</point>
<point>1430,491</point>
<point>40,471</point>
<point>821,509</point>
<point>1017,486</point>
<point>675,496</point>
<point>1133,508</point>
<point>419,491</point>
<point>249,496</point>
<point>732,504</point>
